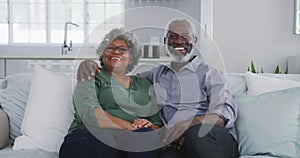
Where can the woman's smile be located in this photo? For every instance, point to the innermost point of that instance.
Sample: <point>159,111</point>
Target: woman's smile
<point>116,56</point>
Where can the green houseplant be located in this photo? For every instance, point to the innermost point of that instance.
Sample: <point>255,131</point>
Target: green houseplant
<point>252,69</point>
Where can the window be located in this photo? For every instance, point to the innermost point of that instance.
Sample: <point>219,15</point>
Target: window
<point>4,21</point>
<point>43,21</point>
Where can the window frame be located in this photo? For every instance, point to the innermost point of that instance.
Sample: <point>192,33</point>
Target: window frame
<point>85,29</point>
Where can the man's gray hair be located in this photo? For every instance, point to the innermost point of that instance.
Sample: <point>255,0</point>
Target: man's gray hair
<point>129,37</point>
<point>187,21</point>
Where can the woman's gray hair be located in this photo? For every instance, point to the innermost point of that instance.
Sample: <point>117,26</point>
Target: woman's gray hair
<point>129,37</point>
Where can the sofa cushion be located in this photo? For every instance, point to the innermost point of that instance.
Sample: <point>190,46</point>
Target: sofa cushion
<point>257,156</point>
<point>13,100</point>
<point>268,124</point>
<point>236,83</point>
<point>259,84</point>
<point>4,133</point>
<point>9,153</point>
<point>49,112</point>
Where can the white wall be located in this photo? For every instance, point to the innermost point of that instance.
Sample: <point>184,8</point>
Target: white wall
<point>258,30</point>
<point>149,18</point>
<point>244,30</point>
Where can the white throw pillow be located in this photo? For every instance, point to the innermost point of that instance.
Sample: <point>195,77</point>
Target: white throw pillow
<point>49,112</point>
<point>258,84</point>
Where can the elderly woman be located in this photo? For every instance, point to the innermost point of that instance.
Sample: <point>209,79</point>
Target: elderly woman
<point>113,101</point>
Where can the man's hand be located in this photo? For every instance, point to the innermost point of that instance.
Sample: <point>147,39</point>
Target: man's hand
<point>86,70</point>
<point>179,142</point>
<point>210,119</point>
<point>177,131</point>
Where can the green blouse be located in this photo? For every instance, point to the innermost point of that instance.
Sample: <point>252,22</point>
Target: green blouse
<point>104,92</point>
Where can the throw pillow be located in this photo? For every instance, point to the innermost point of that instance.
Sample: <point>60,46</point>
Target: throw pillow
<point>4,129</point>
<point>258,84</point>
<point>13,99</point>
<point>49,112</point>
<point>236,83</point>
<point>268,124</point>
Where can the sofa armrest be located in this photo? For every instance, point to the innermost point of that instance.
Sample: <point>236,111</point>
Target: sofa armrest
<point>4,129</point>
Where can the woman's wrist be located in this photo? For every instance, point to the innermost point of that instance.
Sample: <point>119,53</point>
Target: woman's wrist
<point>126,125</point>
<point>155,127</point>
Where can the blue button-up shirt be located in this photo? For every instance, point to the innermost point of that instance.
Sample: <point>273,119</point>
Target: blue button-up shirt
<point>196,89</point>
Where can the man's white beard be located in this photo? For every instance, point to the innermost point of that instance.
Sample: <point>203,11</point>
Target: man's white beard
<point>180,58</point>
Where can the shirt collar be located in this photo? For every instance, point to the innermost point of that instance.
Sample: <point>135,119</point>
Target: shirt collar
<point>192,65</point>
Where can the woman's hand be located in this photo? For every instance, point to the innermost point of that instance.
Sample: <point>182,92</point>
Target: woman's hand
<point>127,126</point>
<point>141,123</point>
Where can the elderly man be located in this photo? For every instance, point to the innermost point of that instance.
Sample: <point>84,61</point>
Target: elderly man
<point>197,110</point>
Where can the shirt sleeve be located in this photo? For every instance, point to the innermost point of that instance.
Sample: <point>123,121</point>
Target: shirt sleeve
<point>146,74</point>
<point>85,100</point>
<point>220,100</point>
<point>151,75</point>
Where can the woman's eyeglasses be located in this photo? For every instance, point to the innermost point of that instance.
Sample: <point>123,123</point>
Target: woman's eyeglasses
<point>121,49</point>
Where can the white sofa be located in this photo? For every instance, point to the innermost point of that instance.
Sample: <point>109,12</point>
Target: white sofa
<point>15,89</point>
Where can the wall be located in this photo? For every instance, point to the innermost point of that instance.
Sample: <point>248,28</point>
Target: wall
<point>140,15</point>
<point>243,30</point>
<point>258,30</point>
<point>148,18</point>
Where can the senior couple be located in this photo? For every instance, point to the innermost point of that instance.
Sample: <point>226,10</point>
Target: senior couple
<point>186,103</point>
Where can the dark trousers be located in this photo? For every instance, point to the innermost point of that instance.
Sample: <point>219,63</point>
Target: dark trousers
<point>217,143</point>
<point>83,144</point>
